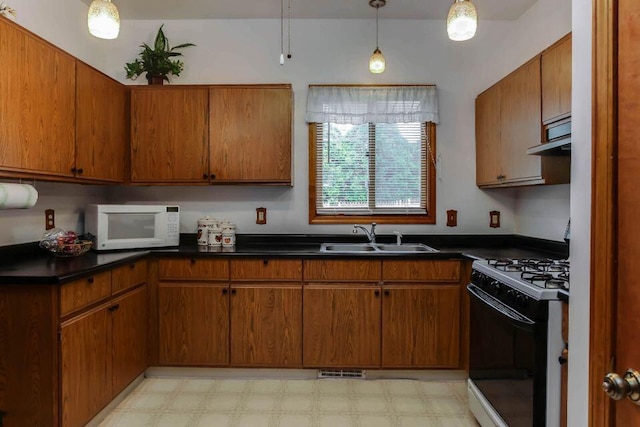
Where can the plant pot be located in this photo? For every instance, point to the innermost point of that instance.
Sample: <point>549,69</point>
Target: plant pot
<point>155,80</point>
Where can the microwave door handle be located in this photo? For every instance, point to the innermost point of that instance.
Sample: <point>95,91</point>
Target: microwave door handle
<point>520,322</point>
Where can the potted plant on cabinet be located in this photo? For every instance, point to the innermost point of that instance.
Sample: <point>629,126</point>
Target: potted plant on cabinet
<point>157,62</point>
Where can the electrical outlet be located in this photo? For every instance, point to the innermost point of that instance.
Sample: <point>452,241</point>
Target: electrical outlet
<point>494,219</point>
<point>261,215</point>
<point>452,218</point>
<point>49,219</point>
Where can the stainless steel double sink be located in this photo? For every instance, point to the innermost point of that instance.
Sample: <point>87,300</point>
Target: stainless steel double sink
<point>357,248</point>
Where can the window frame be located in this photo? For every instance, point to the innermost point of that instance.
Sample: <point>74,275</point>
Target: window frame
<point>428,218</point>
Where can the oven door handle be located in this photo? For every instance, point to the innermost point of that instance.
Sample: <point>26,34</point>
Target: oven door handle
<point>518,319</point>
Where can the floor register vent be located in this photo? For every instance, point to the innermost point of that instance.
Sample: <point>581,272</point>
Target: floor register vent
<point>342,373</point>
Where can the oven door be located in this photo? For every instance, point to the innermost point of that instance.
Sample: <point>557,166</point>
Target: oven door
<point>508,360</point>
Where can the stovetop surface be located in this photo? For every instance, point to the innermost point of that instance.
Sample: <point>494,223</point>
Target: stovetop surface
<point>538,278</point>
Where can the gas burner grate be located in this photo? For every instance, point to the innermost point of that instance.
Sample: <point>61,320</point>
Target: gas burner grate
<point>535,277</point>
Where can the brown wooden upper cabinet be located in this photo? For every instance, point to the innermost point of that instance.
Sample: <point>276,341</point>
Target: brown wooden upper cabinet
<point>250,134</point>
<point>556,81</point>
<point>169,135</point>
<point>37,106</point>
<point>508,122</point>
<point>235,134</point>
<point>101,126</point>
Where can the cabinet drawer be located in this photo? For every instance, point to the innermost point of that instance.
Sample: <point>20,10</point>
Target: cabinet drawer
<point>342,270</point>
<point>83,292</point>
<point>129,276</point>
<point>421,271</point>
<point>194,269</point>
<point>266,269</point>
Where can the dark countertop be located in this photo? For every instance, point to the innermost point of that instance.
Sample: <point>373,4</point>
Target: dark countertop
<point>28,264</point>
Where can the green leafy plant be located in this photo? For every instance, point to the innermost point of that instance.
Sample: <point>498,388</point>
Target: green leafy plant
<point>157,61</point>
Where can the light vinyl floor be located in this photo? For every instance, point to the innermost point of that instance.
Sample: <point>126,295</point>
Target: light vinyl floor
<point>293,403</point>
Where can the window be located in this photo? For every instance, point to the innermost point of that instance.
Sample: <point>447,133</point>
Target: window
<point>372,171</point>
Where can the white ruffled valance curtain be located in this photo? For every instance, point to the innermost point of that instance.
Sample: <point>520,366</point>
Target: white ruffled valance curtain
<point>363,104</point>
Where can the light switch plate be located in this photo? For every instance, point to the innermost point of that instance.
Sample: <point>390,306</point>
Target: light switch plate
<point>261,215</point>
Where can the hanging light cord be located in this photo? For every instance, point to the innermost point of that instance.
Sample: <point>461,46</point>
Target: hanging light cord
<point>377,9</point>
<point>281,32</point>
<point>289,35</point>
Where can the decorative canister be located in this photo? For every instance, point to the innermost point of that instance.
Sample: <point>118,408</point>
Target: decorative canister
<point>204,225</point>
<point>228,236</point>
<point>215,236</point>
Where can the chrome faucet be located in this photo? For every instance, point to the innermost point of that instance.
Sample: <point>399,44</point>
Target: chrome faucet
<point>371,235</point>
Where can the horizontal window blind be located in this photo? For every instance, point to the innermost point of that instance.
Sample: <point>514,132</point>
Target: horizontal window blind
<point>371,169</point>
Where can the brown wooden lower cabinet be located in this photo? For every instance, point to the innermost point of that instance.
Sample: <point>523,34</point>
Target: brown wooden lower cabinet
<point>420,326</point>
<point>341,325</point>
<point>101,352</point>
<point>266,325</point>
<point>194,323</point>
<point>129,338</point>
<point>86,365</point>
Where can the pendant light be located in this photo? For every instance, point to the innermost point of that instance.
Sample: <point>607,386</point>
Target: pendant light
<point>103,19</point>
<point>376,62</point>
<point>462,20</point>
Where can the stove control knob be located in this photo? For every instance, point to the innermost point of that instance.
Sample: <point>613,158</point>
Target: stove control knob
<point>496,287</point>
<point>511,296</point>
<point>520,300</point>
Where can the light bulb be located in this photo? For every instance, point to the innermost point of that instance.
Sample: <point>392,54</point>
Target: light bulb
<point>462,20</point>
<point>103,19</point>
<point>376,62</point>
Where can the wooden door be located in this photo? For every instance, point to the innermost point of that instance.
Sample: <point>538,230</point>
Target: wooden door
<point>521,122</point>
<point>129,337</point>
<point>169,135</point>
<point>421,326</point>
<point>615,230</point>
<point>266,325</point>
<point>194,324</point>
<point>251,134</point>
<point>488,130</point>
<point>341,325</point>
<point>86,366</point>
<point>556,81</point>
<point>37,105</point>
<point>101,126</point>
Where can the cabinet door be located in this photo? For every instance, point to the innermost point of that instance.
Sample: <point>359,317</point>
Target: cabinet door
<point>194,324</point>
<point>86,366</point>
<point>421,326</point>
<point>169,135</point>
<point>250,134</point>
<point>521,122</point>
<point>341,326</point>
<point>37,105</point>
<point>129,337</point>
<point>556,81</point>
<point>101,126</point>
<point>266,325</point>
<point>488,147</point>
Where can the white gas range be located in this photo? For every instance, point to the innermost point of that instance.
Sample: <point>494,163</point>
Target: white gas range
<point>514,375</point>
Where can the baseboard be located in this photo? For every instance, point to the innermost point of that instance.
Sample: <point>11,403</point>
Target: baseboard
<point>95,421</point>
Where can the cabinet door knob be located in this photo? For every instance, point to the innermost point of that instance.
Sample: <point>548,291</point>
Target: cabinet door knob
<point>73,170</point>
<point>213,176</point>
<point>80,171</point>
<point>205,176</point>
<point>132,266</point>
<point>90,279</point>
<point>193,260</point>
<point>387,293</point>
<point>233,291</point>
<point>114,307</point>
<point>224,291</point>
<point>265,261</point>
<point>377,293</point>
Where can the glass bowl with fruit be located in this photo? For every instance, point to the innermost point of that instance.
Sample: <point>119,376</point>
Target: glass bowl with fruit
<point>64,243</point>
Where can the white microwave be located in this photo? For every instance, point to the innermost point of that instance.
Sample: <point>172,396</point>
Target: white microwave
<point>132,226</point>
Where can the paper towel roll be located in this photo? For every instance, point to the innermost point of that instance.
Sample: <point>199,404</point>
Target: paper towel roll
<point>17,196</point>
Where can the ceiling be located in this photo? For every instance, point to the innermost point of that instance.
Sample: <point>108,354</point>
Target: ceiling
<point>311,9</point>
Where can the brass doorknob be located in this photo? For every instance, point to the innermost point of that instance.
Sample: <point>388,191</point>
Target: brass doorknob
<point>618,387</point>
